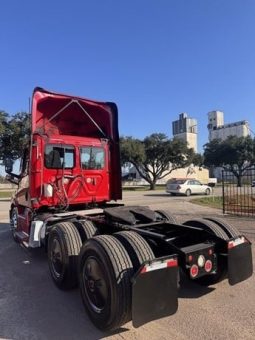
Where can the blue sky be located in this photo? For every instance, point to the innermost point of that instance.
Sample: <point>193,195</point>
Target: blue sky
<point>155,59</point>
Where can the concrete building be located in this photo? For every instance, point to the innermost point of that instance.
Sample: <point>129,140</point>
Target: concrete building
<point>186,129</point>
<point>218,130</point>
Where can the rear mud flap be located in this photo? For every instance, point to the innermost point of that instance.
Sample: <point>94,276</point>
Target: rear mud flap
<point>155,293</point>
<point>240,265</point>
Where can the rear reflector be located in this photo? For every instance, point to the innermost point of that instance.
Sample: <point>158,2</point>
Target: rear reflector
<point>159,265</point>
<point>208,266</point>
<point>194,270</point>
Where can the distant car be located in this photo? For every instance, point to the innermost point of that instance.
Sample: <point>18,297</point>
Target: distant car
<point>253,184</point>
<point>187,187</point>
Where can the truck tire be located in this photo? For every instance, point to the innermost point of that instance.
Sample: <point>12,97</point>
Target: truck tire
<point>86,229</point>
<point>105,272</point>
<point>136,246</point>
<point>165,215</point>
<point>64,244</point>
<point>210,279</point>
<point>14,223</point>
<point>230,230</point>
<point>209,226</point>
<point>138,249</point>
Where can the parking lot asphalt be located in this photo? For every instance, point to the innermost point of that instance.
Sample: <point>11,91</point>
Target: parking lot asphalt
<point>31,307</point>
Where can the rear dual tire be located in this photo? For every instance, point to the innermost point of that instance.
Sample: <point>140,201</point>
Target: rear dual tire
<point>64,244</point>
<point>105,273</point>
<point>107,265</point>
<point>229,229</point>
<point>137,248</point>
<point>167,216</point>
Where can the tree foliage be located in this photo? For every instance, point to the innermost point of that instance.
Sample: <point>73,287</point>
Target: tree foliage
<point>14,134</point>
<point>235,154</point>
<point>156,156</point>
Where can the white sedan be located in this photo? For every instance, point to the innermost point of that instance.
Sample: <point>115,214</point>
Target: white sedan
<point>187,187</point>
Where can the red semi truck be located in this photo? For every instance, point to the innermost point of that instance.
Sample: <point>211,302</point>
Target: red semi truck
<point>125,259</point>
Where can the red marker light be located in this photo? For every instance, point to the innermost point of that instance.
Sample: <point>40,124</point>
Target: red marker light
<point>172,263</point>
<point>194,271</point>
<point>208,266</point>
<point>230,245</point>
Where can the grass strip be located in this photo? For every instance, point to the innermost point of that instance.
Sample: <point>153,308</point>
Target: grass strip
<point>212,202</point>
<point>6,194</point>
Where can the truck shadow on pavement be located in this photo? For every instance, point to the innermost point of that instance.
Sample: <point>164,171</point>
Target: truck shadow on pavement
<point>191,290</point>
<point>31,306</point>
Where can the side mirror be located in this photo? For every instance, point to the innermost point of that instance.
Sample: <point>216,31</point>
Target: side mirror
<point>8,162</point>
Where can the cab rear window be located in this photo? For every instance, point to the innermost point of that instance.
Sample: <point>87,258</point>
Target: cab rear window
<point>59,157</point>
<point>92,158</point>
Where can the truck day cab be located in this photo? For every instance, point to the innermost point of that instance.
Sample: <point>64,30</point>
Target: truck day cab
<point>125,259</point>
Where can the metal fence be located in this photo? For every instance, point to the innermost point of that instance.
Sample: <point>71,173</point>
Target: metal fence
<point>239,200</point>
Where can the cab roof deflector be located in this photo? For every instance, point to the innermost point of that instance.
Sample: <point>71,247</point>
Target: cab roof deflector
<point>87,114</point>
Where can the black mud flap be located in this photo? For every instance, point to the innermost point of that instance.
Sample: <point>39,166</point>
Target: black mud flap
<point>154,291</point>
<point>240,265</point>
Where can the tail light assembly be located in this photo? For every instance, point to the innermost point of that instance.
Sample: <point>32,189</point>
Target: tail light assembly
<point>200,260</point>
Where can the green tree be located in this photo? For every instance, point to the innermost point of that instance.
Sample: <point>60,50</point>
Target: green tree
<point>156,156</point>
<point>235,154</point>
<point>15,134</point>
<point>3,132</point>
<point>3,122</point>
